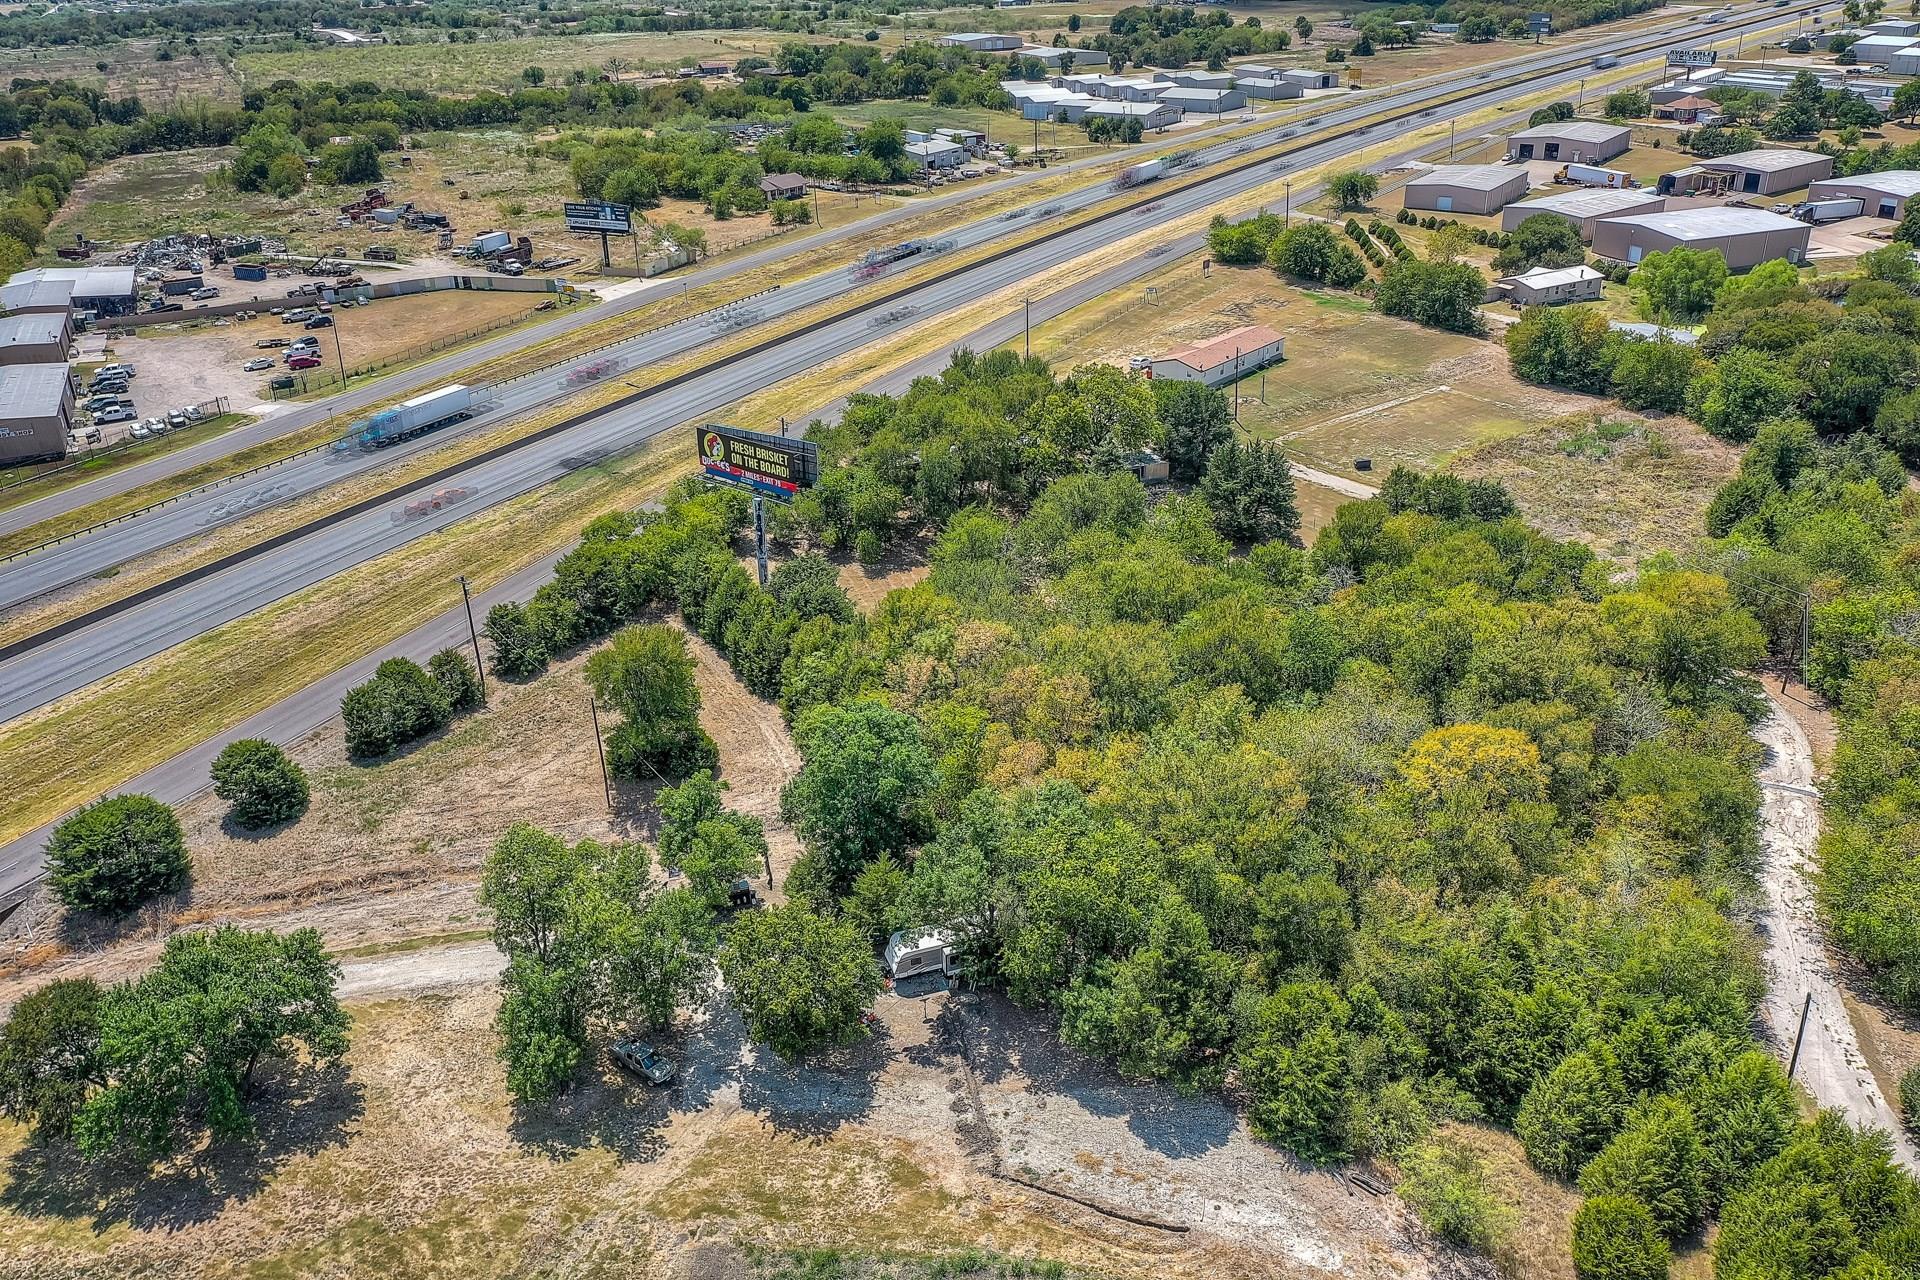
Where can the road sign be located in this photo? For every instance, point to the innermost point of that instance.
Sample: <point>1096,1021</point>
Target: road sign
<point>769,465</point>
<point>1692,57</point>
<point>600,215</point>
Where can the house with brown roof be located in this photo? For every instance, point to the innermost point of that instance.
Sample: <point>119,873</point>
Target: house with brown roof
<point>1218,361</point>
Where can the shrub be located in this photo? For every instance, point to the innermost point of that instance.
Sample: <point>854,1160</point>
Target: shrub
<point>518,651</point>
<point>1616,1238</point>
<point>114,855</point>
<point>1660,1158</point>
<point>1910,1100</point>
<point>259,783</point>
<point>1447,1187</point>
<point>451,670</point>
<point>400,704</point>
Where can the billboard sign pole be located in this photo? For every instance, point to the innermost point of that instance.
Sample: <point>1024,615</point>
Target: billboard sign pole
<point>603,216</point>
<point>766,465</point>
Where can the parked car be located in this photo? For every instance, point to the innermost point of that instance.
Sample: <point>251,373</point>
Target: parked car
<point>204,292</point>
<point>1138,363</point>
<point>115,413</point>
<point>320,322</point>
<point>281,383</point>
<point>303,362</point>
<point>108,387</point>
<point>256,364</point>
<point>644,1061</point>
<point>177,420</point>
<point>96,403</point>
<point>84,435</point>
<point>267,344</point>
<point>294,316</point>
<point>139,431</point>
<point>154,426</point>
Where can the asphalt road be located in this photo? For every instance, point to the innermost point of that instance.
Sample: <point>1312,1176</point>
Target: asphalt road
<point>77,659</point>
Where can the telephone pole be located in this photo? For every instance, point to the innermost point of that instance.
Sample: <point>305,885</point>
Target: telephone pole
<point>479,663</point>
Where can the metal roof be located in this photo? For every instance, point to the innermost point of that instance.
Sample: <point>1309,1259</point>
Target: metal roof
<point>1474,177</point>
<point>1764,160</point>
<point>88,282</point>
<point>1578,130</point>
<point>1892,182</point>
<point>1711,224</point>
<point>1129,108</point>
<point>1549,277</point>
<point>1588,202</point>
<point>32,390</point>
<point>36,293</point>
<point>36,328</point>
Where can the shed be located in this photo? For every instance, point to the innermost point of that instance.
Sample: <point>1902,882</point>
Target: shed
<point>1204,102</point>
<point>1256,71</point>
<point>1221,360</point>
<point>1744,237</point>
<point>783,186</point>
<point>1466,188</point>
<point>1895,27</point>
<point>1584,207</point>
<point>1883,195</point>
<point>1151,115</point>
<point>1586,141</point>
<point>1694,181</point>
<point>1269,90</point>
<point>1770,171</point>
<point>38,337</point>
<point>938,154</point>
<point>1551,286</point>
<point>1309,78</point>
<point>1070,107</point>
<point>36,411</point>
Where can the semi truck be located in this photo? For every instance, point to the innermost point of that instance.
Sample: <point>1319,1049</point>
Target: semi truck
<point>1831,210</point>
<point>412,418</point>
<point>1134,175</point>
<point>1592,175</point>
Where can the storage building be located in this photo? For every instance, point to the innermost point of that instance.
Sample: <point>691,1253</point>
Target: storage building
<point>1466,188</point>
<point>1770,171</point>
<point>1151,115</point>
<point>1586,141</point>
<point>1221,360</point>
<point>1204,102</point>
<point>39,337</point>
<point>1883,195</point>
<point>1269,90</point>
<point>1551,286</point>
<point>36,411</point>
<point>1895,27</point>
<point>1878,50</point>
<point>1070,107</point>
<point>972,139</point>
<point>938,154</point>
<point>983,41</point>
<point>1196,79</point>
<point>1256,71</point>
<point>1584,207</point>
<point>1744,237</point>
<point>1906,62</point>
<point>1062,59</point>
<point>1308,78</point>
<point>106,291</point>
<point>30,296</point>
<point>1694,181</point>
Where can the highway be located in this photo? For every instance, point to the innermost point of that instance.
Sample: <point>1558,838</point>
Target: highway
<point>71,659</point>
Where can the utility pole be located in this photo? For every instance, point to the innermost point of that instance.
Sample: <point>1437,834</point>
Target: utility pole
<point>1286,206</point>
<point>605,780</point>
<point>1450,127</point>
<point>1236,386</point>
<point>341,359</point>
<point>479,663</point>
<point>760,535</point>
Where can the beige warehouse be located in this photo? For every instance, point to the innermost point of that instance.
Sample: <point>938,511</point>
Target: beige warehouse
<point>36,411</point>
<point>1583,207</point>
<point>1585,141</point>
<point>1744,237</point>
<point>1466,188</point>
<point>1882,195</point>
<point>1769,172</point>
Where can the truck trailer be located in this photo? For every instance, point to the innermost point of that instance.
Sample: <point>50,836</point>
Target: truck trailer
<point>1818,211</point>
<point>412,418</point>
<point>1592,175</point>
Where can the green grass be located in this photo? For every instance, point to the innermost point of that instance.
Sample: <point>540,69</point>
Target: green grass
<point>48,480</point>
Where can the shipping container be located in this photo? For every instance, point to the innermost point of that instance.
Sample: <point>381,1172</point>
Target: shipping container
<point>492,241</point>
<point>249,271</point>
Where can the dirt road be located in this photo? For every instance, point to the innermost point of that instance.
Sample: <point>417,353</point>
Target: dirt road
<point>1831,1066</point>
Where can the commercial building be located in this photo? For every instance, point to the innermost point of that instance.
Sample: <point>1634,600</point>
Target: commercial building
<point>983,41</point>
<point>1878,50</point>
<point>1204,102</point>
<point>1906,62</point>
<point>938,154</point>
<point>1061,59</point>
<point>1583,207</point>
<point>1069,107</point>
<point>1196,79</point>
<point>40,337</point>
<point>1466,188</point>
<point>1744,237</point>
<point>106,291</point>
<point>1551,286</point>
<point>1268,90</point>
<point>29,296</point>
<point>1587,141</point>
<point>1256,71</point>
<point>1151,115</point>
<point>783,186</point>
<point>1770,171</point>
<point>1308,78</point>
<point>1221,360</point>
<point>1895,27</point>
<point>36,411</point>
<point>972,139</point>
<point>1883,195</point>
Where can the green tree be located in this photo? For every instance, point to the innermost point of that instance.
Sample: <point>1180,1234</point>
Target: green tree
<point>50,1056</point>
<point>1616,1238</point>
<point>116,854</point>
<point>519,652</point>
<point>1679,284</point>
<point>1572,1113</point>
<point>713,846</point>
<point>1243,243</point>
<point>1443,295</point>
<point>1655,374</point>
<point>1542,240</point>
<point>1312,252</point>
<point>808,586</point>
<point>1196,419</point>
<point>456,677</point>
<point>260,784</point>
<point>401,704</point>
<point>646,675</point>
<point>801,980</point>
<point>1658,1158</point>
<point>1738,392</point>
<point>1249,491</point>
<point>864,788</point>
<point>181,1045</point>
<point>1447,1186</point>
<point>1570,347</point>
<point>1627,104</point>
<point>1353,188</point>
<point>1293,1065</point>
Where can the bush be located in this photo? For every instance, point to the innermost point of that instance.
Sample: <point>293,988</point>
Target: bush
<point>114,855</point>
<point>1310,252</point>
<point>1616,1238</point>
<point>1447,1187</point>
<point>454,674</point>
<point>259,783</point>
<point>1910,1100</point>
<point>400,704</point>
<point>1660,1158</point>
<point>519,653</point>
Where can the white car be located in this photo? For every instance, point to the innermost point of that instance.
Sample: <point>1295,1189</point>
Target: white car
<point>176,420</point>
<point>256,364</point>
<point>110,370</point>
<point>139,431</point>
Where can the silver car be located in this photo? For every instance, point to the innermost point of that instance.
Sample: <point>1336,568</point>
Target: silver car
<point>643,1060</point>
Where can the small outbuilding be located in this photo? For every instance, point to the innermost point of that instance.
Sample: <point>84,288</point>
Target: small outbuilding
<point>1268,90</point>
<point>1770,171</point>
<point>1694,181</point>
<point>1583,207</point>
<point>1466,188</point>
<point>1584,141</point>
<point>938,153</point>
<point>1221,360</point>
<point>36,411</point>
<point>1196,79</point>
<point>1882,195</point>
<point>1309,78</point>
<point>1062,59</point>
<point>1744,237</point>
<point>783,186</point>
<point>1551,286</point>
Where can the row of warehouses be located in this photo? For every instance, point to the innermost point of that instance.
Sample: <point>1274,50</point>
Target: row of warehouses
<point>38,311</point>
<point>1162,99</point>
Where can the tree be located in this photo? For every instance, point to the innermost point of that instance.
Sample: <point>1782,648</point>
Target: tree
<point>519,652</point>
<point>1542,240</point>
<point>808,586</point>
<point>1658,1158</point>
<point>1353,188</point>
<point>50,1056</point>
<point>713,846</point>
<point>1738,392</point>
<point>1443,295</point>
<point>1679,284</point>
<point>1906,101</point>
<point>1572,1112</point>
<point>801,980</point>
<point>646,675</point>
<point>1447,1186</point>
<point>1627,104</point>
<point>1552,113</point>
<point>1570,347</point>
<point>1312,252</point>
<point>864,787</point>
<point>1616,1238</point>
<point>1654,374</point>
<point>1293,1065</point>
<point>1245,242</point>
<point>456,677</point>
<point>114,855</point>
<point>401,704</point>
<point>1197,420</point>
<point>182,1044</point>
<point>535,76</point>
<point>1249,491</point>
<point>259,783</point>
<point>353,162</point>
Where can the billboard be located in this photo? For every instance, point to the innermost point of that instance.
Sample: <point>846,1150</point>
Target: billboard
<point>600,215</point>
<point>1692,57</point>
<point>770,465</point>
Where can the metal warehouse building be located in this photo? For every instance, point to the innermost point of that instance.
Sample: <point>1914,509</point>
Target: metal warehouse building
<point>1204,102</point>
<point>110,291</point>
<point>983,41</point>
<point>1151,115</point>
<point>36,410</point>
<point>1744,237</point>
<point>1583,207</point>
<point>1269,90</point>
<point>1884,195</point>
<point>1224,359</point>
<point>29,296</point>
<point>1587,141</point>
<point>36,338</point>
<point>1768,172</point>
<point>1466,188</point>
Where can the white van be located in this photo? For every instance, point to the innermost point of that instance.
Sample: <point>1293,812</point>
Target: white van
<point>913,952</point>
